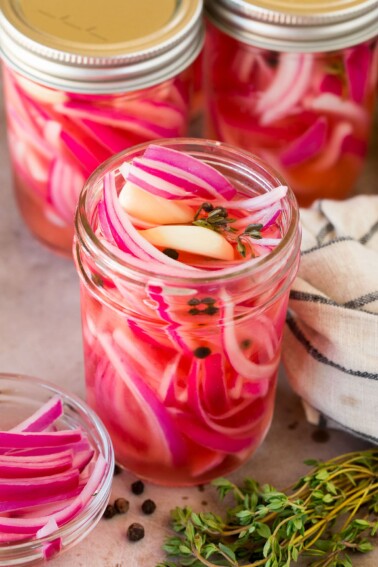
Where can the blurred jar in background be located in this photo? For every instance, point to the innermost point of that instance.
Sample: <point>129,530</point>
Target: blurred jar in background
<point>83,84</point>
<point>295,83</point>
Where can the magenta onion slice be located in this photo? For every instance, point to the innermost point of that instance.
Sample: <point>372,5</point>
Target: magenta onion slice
<point>9,440</point>
<point>207,176</point>
<point>306,146</point>
<point>47,476</point>
<point>45,486</point>
<point>42,418</point>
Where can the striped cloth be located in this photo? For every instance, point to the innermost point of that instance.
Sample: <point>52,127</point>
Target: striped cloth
<point>330,350</point>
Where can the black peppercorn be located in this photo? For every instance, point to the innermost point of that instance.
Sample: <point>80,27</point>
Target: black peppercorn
<point>148,507</point>
<point>135,532</point>
<point>202,352</point>
<point>194,311</point>
<point>171,252</point>
<point>121,505</point>
<point>208,300</point>
<point>207,207</point>
<point>109,512</point>
<point>194,301</point>
<point>117,470</point>
<point>246,343</point>
<point>211,310</point>
<point>137,487</point>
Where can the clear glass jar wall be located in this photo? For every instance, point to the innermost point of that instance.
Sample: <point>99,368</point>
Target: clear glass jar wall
<point>307,114</point>
<point>186,393</point>
<point>81,86</point>
<point>57,138</point>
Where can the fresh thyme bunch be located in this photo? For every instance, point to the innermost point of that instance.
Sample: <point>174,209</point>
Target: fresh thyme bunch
<point>328,514</point>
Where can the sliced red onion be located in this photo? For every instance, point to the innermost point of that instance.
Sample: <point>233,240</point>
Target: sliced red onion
<point>162,430</point>
<point>331,84</point>
<point>126,235</point>
<point>334,150</point>
<point>42,418</point>
<point>9,440</point>
<point>167,181</point>
<point>156,294</point>
<point>260,201</point>
<point>87,152</point>
<point>307,146</point>
<point>20,488</point>
<point>208,176</point>
<point>64,185</point>
<point>113,117</point>
<point>242,365</point>
<point>345,109</point>
<point>357,65</point>
<point>28,467</point>
<point>289,85</point>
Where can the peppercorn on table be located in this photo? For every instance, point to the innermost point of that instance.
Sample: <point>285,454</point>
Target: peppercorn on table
<point>40,335</point>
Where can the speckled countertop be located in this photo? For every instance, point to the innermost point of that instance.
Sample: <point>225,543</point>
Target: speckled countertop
<point>40,335</point>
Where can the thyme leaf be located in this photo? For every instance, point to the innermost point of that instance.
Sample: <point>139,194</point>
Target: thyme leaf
<point>327,515</point>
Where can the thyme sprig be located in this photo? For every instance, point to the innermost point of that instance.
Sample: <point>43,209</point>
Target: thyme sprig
<point>217,219</point>
<point>328,515</point>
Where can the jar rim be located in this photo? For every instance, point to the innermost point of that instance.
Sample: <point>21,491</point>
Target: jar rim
<point>86,237</point>
<point>100,66</point>
<point>280,26</point>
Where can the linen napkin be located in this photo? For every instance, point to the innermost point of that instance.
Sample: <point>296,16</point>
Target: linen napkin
<point>330,350</point>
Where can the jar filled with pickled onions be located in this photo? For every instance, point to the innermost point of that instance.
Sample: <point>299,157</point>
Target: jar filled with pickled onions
<point>296,83</point>
<point>186,250</point>
<point>82,82</point>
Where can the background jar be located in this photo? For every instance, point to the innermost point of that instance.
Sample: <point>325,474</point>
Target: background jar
<point>82,84</point>
<point>186,393</point>
<point>295,84</point>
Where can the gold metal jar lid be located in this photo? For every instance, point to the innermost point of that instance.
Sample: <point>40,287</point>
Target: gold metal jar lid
<point>101,47</point>
<point>296,25</point>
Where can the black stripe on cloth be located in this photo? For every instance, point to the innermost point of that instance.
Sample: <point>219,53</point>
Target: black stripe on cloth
<point>324,232</point>
<point>311,297</point>
<point>329,226</point>
<point>335,241</point>
<point>318,356</point>
<point>363,300</point>
<point>369,234</point>
<point>352,304</point>
<point>363,240</point>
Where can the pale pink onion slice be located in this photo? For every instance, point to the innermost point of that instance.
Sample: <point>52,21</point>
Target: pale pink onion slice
<point>288,87</point>
<point>260,201</point>
<point>242,365</point>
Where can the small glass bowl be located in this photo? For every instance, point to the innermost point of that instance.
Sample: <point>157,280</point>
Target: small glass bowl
<point>20,396</point>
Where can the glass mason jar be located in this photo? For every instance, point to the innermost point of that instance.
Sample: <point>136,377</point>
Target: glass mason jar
<point>82,85</point>
<point>295,83</point>
<point>183,370</point>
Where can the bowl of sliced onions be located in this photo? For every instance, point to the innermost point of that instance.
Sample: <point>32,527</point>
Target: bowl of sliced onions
<point>56,469</point>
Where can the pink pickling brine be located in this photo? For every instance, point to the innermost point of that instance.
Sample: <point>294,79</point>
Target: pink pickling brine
<point>186,251</point>
<point>307,114</point>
